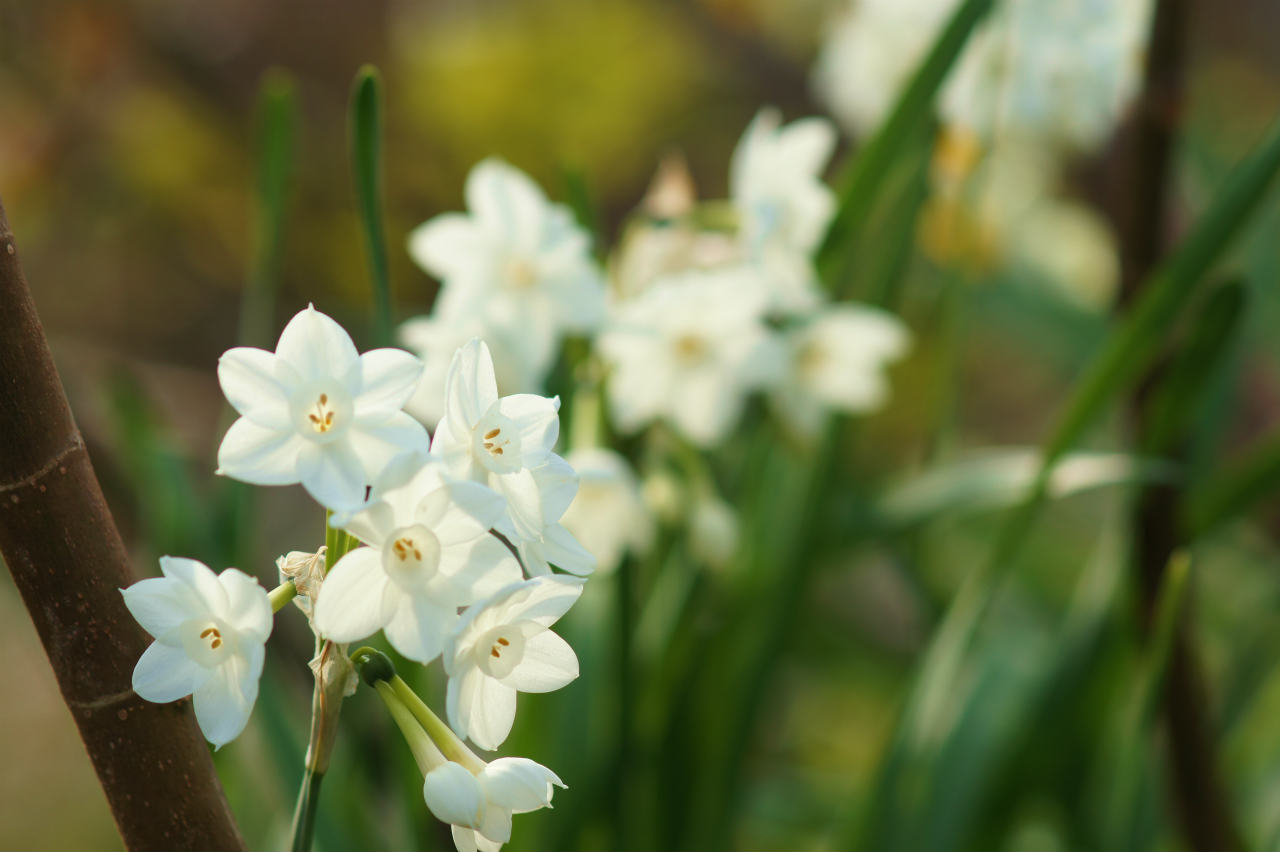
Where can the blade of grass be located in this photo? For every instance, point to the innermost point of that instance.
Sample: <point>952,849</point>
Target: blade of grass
<point>1244,484</point>
<point>864,177</point>
<point>277,122</point>
<point>366,164</point>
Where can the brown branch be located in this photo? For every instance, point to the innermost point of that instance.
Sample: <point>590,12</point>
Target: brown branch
<point>68,562</point>
<point>1200,798</point>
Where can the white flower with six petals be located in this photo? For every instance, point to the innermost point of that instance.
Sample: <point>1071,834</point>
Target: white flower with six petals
<point>479,805</point>
<point>505,646</point>
<point>211,631</point>
<point>317,412</point>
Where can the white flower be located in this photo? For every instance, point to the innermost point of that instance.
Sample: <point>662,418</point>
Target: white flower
<point>506,443</point>
<point>556,483</point>
<point>515,258</point>
<point>784,207</point>
<point>429,553</point>
<point>519,366</point>
<point>317,412</point>
<point>836,361</point>
<point>608,514</point>
<point>505,646</point>
<point>1062,73</point>
<point>479,806</point>
<point>211,631</point>
<point>689,349</point>
<point>869,54</point>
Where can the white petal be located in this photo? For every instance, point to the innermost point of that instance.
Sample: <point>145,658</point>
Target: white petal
<point>496,824</point>
<point>356,597</point>
<point>506,202</point>
<point>399,440</point>
<point>223,703</point>
<point>548,664</point>
<point>165,673</point>
<point>317,347</point>
<point>557,485</point>
<point>519,784</point>
<point>332,474</point>
<point>387,380</point>
<point>471,387</point>
<point>461,511</point>
<point>548,598</point>
<point>705,405</point>
<point>419,627</point>
<point>483,709</point>
<point>538,421</point>
<point>470,840</point>
<point>248,607</point>
<point>806,144</point>
<point>524,501</point>
<point>454,795</point>
<point>447,245</point>
<point>160,604</point>
<point>200,579</point>
<point>248,379</point>
<point>372,524</point>
<point>561,549</point>
<point>261,456</point>
<point>479,568</point>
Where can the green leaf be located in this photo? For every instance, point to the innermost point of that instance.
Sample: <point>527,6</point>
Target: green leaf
<point>1243,485</point>
<point>277,121</point>
<point>998,478</point>
<point>366,154</point>
<point>864,177</point>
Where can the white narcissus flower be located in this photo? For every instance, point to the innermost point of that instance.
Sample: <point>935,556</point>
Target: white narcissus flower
<point>608,515</point>
<point>505,646</point>
<point>689,349</point>
<point>870,53</point>
<point>211,631</point>
<point>429,552</point>
<point>317,412</point>
<point>514,258</point>
<point>506,443</point>
<point>518,366</point>
<point>836,361</point>
<point>479,806</point>
<point>784,207</point>
<point>557,483</point>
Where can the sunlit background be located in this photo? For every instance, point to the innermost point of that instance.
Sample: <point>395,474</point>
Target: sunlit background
<point>127,169</point>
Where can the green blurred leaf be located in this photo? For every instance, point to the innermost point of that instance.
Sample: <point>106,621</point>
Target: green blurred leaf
<point>366,162</point>
<point>277,122</point>
<point>1239,488</point>
<point>861,183</point>
<point>1178,395</point>
<point>998,478</point>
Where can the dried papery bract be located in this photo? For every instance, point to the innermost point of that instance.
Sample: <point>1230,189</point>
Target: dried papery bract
<point>68,562</point>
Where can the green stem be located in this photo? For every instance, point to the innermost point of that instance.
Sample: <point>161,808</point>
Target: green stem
<point>441,734</point>
<point>281,595</point>
<point>304,814</point>
<point>366,152</point>
<point>425,752</point>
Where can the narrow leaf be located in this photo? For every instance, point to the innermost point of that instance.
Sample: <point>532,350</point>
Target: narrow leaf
<point>366,161</point>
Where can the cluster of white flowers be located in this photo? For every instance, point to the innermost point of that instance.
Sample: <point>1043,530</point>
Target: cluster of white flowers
<point>447,531</point>
<point>1038,82</point>
<point>457,533</point>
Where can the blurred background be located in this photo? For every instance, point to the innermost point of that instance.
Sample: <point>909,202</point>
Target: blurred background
<point>127,168</point>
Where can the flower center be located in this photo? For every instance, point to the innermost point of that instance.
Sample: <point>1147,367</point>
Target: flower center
<point>521,274</point>
<point>691,349</point>
<point>206,642</point>
<point>411,557</point>
<point>496,443</point>
<point>322,412</point>
<point>500,650</point>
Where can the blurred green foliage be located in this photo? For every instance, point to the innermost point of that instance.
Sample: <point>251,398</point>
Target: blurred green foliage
<point>759,708</point>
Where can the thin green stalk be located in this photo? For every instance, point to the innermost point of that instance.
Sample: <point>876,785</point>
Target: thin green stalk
<point>366,163</point>
<point>304,813</point>
<point>281,595</point>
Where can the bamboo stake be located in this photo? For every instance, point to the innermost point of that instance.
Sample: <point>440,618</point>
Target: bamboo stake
<point>67,560</point>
